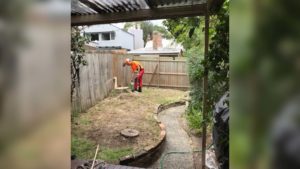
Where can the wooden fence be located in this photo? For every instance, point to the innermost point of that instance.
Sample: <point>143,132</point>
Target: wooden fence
<point>96,80</point>
<point>159,71</point>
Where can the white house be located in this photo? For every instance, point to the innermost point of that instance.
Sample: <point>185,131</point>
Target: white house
<point>138,37</point>
<point>110,36</point>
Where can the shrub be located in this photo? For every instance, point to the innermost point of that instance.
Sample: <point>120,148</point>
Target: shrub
<point>194,118</point>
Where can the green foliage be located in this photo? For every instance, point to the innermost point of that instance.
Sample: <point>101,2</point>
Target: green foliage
<point>218,56</point>
<point>165,33</point>
<point>195,120</point>
<point>77,56</point>
<point>82,148</point>
<point>85,149</point>
<point>148,28</point>
<point>195,71</point>
<point>186,31</point>
<point>189,32</point>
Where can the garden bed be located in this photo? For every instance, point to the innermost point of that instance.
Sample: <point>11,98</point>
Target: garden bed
<point>102,124</point>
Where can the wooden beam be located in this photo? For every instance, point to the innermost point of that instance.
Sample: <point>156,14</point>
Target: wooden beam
<point>205,88</point>
<point>151,3</point>
<point>144,14</point>
<point>152,74</point>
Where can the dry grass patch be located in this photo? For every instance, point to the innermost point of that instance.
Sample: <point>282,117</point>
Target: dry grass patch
<point>102,123</point>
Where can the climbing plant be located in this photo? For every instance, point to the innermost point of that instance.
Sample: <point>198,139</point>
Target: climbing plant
<point>77,56</point>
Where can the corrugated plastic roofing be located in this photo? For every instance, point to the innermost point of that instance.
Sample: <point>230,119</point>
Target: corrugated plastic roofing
<point>89,7</point>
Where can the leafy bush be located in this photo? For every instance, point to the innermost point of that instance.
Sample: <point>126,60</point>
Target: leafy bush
<point>195,71</point>
<point>195,120</point>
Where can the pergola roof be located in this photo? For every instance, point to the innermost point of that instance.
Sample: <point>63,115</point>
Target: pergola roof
<point>87,12</point>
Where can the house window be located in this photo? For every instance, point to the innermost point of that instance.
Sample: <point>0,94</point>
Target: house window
<point>94,36</point>
<point>108,36</point>
<point>112,35</point>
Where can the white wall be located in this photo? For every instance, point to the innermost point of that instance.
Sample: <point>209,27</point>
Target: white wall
<point>122,38</point>
<point>138,38</point>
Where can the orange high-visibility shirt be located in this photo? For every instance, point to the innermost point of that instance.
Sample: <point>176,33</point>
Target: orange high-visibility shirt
<point>135,65</point>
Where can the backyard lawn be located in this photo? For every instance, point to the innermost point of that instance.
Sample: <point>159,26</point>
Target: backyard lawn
<point>102,124</point>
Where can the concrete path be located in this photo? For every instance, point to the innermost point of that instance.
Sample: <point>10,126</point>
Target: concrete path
<point>177,140</point>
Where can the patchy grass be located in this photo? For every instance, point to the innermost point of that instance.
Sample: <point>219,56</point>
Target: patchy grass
<point>113,155</point>
<point>84,121</point>
<point>163,96</point>
<point>102,123</point>
<point>82,148</point>
<point>85,149</point>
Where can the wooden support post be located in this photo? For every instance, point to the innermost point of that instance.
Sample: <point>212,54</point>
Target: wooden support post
<point>153,74</point>
<point>205,85</point>
<point>158,71</point>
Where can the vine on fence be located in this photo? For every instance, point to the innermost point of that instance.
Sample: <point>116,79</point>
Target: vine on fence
<point>77,56</point>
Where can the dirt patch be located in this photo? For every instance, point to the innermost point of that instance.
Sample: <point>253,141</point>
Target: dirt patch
<point>102,123</point>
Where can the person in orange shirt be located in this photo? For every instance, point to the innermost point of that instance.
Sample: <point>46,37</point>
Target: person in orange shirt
<point>137,74</point>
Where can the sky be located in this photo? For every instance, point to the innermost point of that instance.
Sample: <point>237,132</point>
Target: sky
<point>155,22</point>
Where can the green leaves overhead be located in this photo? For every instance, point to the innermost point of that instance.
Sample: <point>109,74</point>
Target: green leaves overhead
<point>191,32</point>
<point>187,31</point>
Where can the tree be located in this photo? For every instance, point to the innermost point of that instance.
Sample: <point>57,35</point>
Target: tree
<point>148,28</point>
<point>186,31</point>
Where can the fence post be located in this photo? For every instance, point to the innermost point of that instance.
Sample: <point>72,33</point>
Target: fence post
<point>158,71</point>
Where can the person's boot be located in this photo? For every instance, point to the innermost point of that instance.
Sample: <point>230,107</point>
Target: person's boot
<point>140,89</point>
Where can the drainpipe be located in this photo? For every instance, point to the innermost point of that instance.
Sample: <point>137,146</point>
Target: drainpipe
<point>115,79</point>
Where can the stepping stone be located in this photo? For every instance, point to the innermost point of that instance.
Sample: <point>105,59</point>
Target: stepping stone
<point>130,133</point>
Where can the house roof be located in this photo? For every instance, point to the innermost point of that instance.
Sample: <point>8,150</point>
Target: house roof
<point>123,30</point>
<point>87,12</point>
<point>151,51</point>
<point>166,43</point>
<point>110,25</point>
<point>169,47</point>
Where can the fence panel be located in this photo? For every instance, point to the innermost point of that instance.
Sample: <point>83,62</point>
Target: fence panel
<point>159,71</point>
<point>96,80</point>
